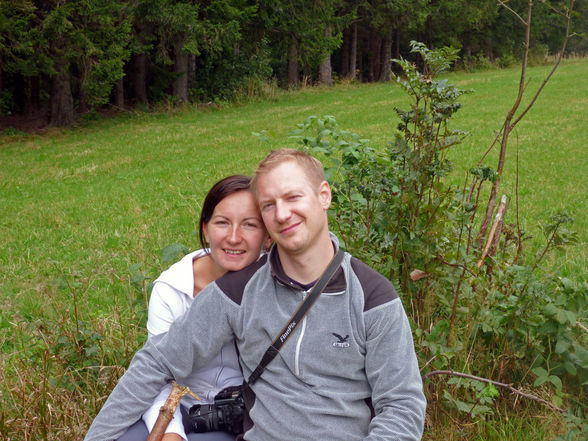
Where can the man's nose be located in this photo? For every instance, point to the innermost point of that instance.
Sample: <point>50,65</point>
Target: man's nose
<point>282,212</point>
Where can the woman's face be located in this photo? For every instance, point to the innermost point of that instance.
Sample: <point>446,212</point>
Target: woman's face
<point>235,232</point>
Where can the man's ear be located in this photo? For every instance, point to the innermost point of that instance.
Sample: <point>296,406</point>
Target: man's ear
<point>267,243</point>
<point>325,194</point>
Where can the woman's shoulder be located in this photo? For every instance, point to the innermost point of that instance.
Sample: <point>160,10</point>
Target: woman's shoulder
<point>180,276</point>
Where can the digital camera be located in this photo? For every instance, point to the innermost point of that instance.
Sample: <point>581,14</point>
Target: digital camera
<point>224,415</point>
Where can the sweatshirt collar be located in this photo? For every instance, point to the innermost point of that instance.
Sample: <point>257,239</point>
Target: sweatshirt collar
<point>336,284</point>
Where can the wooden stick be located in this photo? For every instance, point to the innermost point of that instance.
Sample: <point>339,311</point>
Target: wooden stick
<point>166,413</point>
<point>495,224</point>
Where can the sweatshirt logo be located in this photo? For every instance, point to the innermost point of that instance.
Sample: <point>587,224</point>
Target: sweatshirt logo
<point>285,335</point>
<point>342,343</point>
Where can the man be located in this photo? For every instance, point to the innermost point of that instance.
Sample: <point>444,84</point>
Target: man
<point>349,371</point>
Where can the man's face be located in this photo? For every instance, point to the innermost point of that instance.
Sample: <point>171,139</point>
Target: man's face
<point>293,211</point>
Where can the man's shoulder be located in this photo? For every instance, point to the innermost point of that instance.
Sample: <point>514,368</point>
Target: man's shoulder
<point>233,283</point>
<point>377,289</point>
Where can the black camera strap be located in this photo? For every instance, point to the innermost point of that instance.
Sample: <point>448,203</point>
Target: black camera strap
<point>302,310</point>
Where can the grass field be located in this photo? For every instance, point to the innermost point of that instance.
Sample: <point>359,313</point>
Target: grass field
<point>82,210</point>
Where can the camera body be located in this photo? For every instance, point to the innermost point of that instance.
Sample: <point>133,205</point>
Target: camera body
<point>225,414</point>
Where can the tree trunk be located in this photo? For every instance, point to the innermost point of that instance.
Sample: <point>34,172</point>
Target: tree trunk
<point>191,71</point>
<point>82,101</point>
<point>306,74</point>
<point>139,79</point>
<point>325,69</point>
<point>0,80</point>
<point>62,110</point>
<point>119,93</point>
<point>345,48</point>
<point>397,42</point>
<point>374,60</point>
<point>467,44</point>
<point>353,53</point>
<point>33,98</point>
<point>180,85</point>
<point>490,49</point>
<point>386,65</point>
<point>293,79</point>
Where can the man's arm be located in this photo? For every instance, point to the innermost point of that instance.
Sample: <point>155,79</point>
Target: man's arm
<point>192,340</point>
<point>165,307</point>
<point>393,372</point>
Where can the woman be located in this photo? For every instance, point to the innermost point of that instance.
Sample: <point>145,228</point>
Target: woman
<point>232,236</point>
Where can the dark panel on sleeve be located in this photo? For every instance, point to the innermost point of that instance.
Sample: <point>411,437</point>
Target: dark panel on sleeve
<point>377,290</point>
<point>233,283</point>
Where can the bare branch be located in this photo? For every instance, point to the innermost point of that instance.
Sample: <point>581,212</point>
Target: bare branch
<point>568,16</point>
<point>495,383</point>
<point>494,231</point>
<point>498,135</point>
<point>512,11</point>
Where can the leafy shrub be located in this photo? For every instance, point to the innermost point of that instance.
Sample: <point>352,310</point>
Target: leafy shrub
<point>391,207</point>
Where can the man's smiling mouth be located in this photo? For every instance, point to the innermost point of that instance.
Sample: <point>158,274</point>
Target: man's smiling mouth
<point>290,228</point>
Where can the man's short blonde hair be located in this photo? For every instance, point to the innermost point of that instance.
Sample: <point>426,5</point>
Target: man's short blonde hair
<point>312,167</point>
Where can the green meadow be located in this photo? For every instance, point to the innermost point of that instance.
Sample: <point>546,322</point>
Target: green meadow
<point>86,212</point>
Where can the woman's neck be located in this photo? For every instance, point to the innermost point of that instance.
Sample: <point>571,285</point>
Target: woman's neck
<point>206,271</point>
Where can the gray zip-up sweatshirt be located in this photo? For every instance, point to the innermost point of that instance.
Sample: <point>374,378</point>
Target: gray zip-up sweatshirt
<point>352,355</point>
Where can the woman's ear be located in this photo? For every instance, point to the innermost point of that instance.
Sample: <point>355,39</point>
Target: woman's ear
<point>205,231</point>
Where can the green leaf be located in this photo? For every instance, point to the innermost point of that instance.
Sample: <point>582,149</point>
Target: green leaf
<point>490,391</point>
<point>173,252</point>
<point>570,368</point>
<point>562,346</point>
<point>556,381</point>
<point>137,276</point>
<point>542,375</point>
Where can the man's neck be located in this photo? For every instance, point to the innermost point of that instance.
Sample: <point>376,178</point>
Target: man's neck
<point>308,266</point>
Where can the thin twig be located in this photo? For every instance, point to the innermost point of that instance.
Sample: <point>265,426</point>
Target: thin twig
<point>456,265</point>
